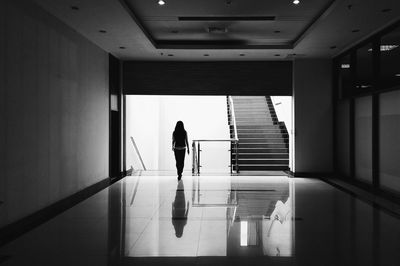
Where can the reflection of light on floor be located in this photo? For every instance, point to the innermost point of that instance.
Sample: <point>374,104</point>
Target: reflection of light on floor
<point>243,233</point>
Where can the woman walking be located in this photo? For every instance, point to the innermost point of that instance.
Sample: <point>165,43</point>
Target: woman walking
<point>179,145</point>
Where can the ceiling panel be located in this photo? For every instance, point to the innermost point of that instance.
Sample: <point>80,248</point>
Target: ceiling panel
<point>327,36</point>
<point>246,24</point>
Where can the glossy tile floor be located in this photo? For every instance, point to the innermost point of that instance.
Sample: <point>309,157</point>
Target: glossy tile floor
<point>154,219</point>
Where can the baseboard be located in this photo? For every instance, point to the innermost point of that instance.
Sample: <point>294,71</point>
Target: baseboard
<point>310,174</point>
<point>18,228</point>
<point>373,197</point>
<point>389,195</point>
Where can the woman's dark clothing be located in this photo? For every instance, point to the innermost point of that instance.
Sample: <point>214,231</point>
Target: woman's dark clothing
<point>180,160</point>
<point>179,143</point>
<point>180,139</point>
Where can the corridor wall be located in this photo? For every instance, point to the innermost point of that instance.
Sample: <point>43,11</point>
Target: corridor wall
<point>312,92</point>
<point>53,111</point>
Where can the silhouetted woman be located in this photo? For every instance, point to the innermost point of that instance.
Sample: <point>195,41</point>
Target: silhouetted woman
<point>179,145</point>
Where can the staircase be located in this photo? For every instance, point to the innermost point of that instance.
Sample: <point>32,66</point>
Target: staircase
<point>263,140</point>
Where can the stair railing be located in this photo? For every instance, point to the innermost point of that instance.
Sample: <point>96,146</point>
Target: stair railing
<point>138,153</point>
<point>196,147</point>
<point>196,150</point>
<point>236,138</point>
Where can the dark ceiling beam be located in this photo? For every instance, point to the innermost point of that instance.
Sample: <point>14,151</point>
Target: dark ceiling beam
<point>316,21</point>
<point>138,22</point>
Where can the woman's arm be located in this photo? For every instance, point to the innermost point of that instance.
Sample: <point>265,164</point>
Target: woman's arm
<point>187,144</point>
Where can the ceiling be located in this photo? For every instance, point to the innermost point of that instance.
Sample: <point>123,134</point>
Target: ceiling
<point>219,30</point>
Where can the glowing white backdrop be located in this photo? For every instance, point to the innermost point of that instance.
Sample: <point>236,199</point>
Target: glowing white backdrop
<point>150,120</point>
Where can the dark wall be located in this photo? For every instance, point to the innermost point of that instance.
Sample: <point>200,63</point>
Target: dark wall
<point>53,111</point>
<point>313,116</point>
<point>208,78</point>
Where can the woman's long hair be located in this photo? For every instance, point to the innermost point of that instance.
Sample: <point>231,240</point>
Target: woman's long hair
<point>179,132</point>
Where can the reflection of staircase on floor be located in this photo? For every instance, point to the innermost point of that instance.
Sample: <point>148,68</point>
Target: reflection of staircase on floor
<point>263,140</point>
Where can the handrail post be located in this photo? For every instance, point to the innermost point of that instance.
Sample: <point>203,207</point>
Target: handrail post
<point>198,157</point>
<point>193,156</point>
<point>231,164</point>
<point>237,156</point>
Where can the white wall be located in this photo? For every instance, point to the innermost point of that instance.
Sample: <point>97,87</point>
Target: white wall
<point>284,110</point>
<point>53,111</point>
<point>313,115</point>
<point>151,121</point>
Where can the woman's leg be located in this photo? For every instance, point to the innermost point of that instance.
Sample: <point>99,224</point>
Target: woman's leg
<point>180,160</point>
<point>177,160</point>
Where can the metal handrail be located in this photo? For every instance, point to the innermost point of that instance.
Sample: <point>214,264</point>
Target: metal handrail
<point>235,141</point>
<point>138,153</point>
<point>232,107</point>
<point>196,153</point>
<point>233,118</point>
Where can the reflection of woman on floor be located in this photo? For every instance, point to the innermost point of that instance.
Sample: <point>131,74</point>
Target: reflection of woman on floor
<point>179,145</point>
<point>180,210</point>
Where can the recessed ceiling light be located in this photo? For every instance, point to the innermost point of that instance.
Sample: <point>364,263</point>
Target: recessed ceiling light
<point>345,66</point>
<point>296,2</point>
<point>161,2</point>
<point>397,75</point>
<point>355,30</point>
<point>102,31</point>
<point>74,8</point>
<point>122,47</point>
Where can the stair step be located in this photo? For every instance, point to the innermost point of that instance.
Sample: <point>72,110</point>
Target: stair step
<point>263,140</point>
<point>262,150</point>
<point>261,167</point>
<point>261,135</point>
<point>276,126</point>
<point>269,161</point>
<point>262,145</point>
<point>258,131</point>
<point>261,155</point>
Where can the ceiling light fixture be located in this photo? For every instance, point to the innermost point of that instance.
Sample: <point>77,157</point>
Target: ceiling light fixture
<point>296,2</point>
<point>386,47</point>
<point>397,75</point>
<point>345,66</point>
<point>161,2</point>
